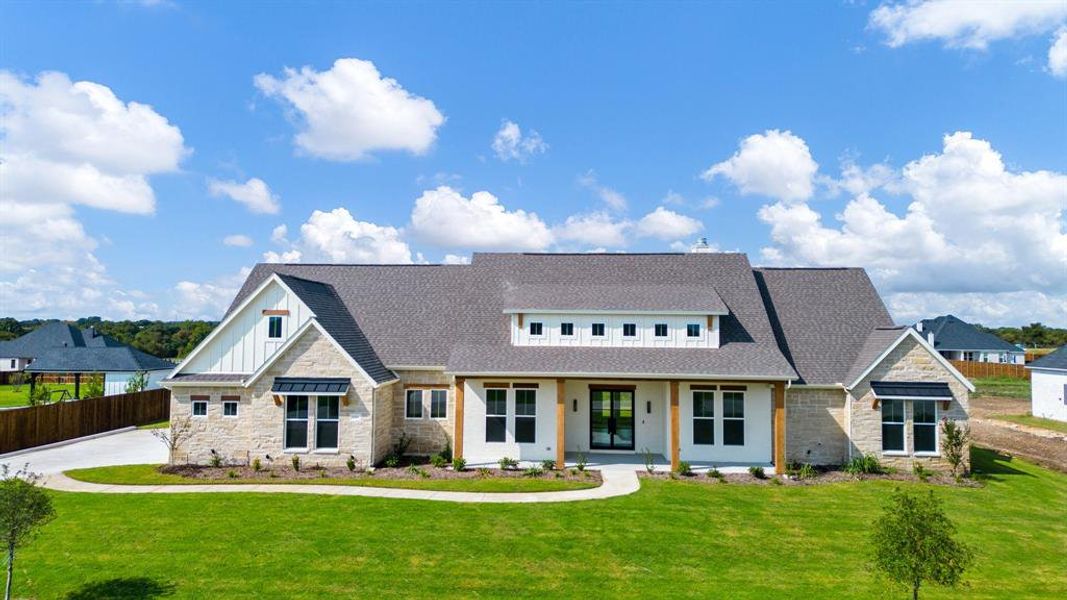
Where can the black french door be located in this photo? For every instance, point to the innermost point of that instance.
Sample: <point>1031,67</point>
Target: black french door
<point>611,419</point>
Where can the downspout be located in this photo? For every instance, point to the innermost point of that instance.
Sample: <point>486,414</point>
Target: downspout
<point>848,418</point>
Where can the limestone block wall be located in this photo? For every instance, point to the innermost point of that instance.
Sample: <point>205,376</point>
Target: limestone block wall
<point>427,435</point>
<point>816,429</point>
<point>907,362</point>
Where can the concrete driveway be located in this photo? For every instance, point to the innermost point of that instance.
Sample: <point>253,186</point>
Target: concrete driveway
<point>126,448</point>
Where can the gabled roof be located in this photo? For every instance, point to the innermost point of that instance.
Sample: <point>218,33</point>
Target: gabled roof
<point>674,298</point>
<point>55,334</point>
<point>952,333</point>
<point>882,341</point>
<point>822,319</point>
<point>97,359</point>
<point>1056,361</point>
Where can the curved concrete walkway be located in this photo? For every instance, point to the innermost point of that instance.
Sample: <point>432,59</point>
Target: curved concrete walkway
<point>616,483</point>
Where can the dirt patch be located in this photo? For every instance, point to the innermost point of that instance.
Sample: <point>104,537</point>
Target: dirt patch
<point>413,472</point>
<point>984,406</point>
<point>822,477</point>
<point>1047,449</point>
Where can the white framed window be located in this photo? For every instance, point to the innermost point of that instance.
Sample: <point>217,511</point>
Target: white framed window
<point>598,330</point>
<point>703,417</point>
<point>692,330</point>
<point>526,416</point>
<point>924,426</point>
<point>566,329</point>
<point>733,418</point>
<point>413,405</point>
<point>13,363</point>
<point>496,415</point>
<point>274,327</point>
<point>892,426</point>
<point>199,407</point>
<point>661,329</point>
<point>629,330</point>
<point>327,419</point>
<point>296,423</point>
<point>537,328</point>
<point>438,404</point>
<point>229,408</point>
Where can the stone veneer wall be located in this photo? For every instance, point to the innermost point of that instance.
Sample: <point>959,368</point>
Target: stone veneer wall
<point>258,429</point>
<point>427,435</point>
<point>907,362</point>
<point>816,430</point>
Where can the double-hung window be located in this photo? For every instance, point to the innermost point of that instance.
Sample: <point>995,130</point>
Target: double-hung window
<point>733,418</point>
<point>692,330</point>
<point>296,422</point>
<point>326,420</point>
<point>566,329</point>
<point>598,330</point>
<point>892,425</point>
<point>274,327</point>
<point>496,415</point>
<point>629,330</point>
<point>703,417</point>
<point>438,404</point>
<point>924,425</point>
<point>413,405</point>
<point>525,416</point>
<point>537,328</point>
<point>661,330</point>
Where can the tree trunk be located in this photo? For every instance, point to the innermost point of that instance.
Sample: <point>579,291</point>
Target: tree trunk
<point>915,592</point>
<point>10,568</point>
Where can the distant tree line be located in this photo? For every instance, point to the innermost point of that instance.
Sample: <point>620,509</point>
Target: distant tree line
<point>165,339</point>
<point>1034,335</point>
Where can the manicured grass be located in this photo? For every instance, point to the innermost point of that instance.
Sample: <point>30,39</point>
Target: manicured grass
<point>670,539</point>
<point>150,475</point>
<point>9,398</point>
<point>156,425</point>
<point>1007,387</point>
<point>1033,421</point>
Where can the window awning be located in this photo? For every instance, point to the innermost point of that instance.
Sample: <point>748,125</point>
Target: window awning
<point>310,386</point>
<point>911,390</point>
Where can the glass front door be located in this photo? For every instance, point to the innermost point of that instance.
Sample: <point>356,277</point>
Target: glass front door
<point>611,419</point>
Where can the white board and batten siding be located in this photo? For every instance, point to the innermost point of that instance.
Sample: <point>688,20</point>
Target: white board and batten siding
<point>1049,393</point>
<point>243,345</point>
<point>613,330</point>
<point>477,451</point>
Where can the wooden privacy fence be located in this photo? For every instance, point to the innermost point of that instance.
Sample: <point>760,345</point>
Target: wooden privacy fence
<point>980,370</point>
<point>38,425</point>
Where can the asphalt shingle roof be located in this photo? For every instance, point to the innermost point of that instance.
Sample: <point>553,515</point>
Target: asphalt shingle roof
<point>55,334</point>
<point>878,341</point>
<point>952,333</point>
<point>96,360</point>
<point>1056,360</point>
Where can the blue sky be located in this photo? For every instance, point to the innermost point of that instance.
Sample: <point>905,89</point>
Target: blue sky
<point>926,144</point>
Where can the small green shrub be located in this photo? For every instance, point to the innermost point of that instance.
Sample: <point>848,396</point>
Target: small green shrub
<point>684,469</point>
<point>400,448</point>
<point>459,464</point>
<point>776,481</point>
<point>806,471</point>
<point>257,466</point>
<point>216,460</point>
<point>38,395</point>
<point>484,471</point>
<point>392,461</point>
<point>323,474</point>
<point>864,464</point>
<point>757,472</point>
<point>231,474</point>
<point>650,460</point>
<point>413,470</point>
<point>715,473</point>
<point>581,462</point>
<point>507,463</point>
<point>438,461</point>
<point>548,464</point>
<point>921,472</point>
<point>351,463</point>
<point>296,462</point>
<point>447,452</point>
<point>533,472</point>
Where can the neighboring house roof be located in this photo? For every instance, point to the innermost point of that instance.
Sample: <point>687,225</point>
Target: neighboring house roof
<point>1055,361</point>
<point>55,334</point>
<point>664,297</point>
<point>331,313</point>
<point>952,333</point>
<point>824,320</point>
<point>96,360</point>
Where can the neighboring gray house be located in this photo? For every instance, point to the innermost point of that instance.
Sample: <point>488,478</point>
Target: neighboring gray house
<point>1048,385</point>
<point>956,339</point>
<point>696,357</point>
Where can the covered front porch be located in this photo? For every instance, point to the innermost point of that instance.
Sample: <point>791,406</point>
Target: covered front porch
<point>614,423</point>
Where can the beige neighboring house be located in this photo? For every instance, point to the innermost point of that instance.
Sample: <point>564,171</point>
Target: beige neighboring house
<point>693,357</point>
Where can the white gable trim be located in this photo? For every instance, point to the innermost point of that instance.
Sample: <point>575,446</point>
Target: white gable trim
<point>233,315</point>
<point>313,322</point>
<point>910,332</point>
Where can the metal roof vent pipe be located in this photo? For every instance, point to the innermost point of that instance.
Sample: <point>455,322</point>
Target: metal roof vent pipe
<point>930,337</point>
<point>701,246</point>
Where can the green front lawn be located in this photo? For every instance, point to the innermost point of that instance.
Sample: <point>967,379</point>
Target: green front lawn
<point>1033,421</point>
<point>671,538</point>
<point>9,398</point>
<point>150,475</point>
<point>1007,387</point>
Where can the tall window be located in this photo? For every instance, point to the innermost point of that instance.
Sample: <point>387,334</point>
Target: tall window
<point>274,327</point>
<point>924,425</point>
<point>537,328</point>
<point>496,415</point>
<point>566,329</point>
<point>598,330</point>
<point>525,416</point>
<point>296,422</point>
<point>413,406</point>
<point>661,330</point>
<point>629,330</point>
<point>703,417</point>
<point>692,330</point>
<point>733,418</point>
<point>892,425</point>
<point>438,404</point>
<point>326,418</point>
<point>13,363</point>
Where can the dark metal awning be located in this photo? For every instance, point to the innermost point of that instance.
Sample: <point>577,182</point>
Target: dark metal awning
<point>317,386</point>
<point>911,390</point>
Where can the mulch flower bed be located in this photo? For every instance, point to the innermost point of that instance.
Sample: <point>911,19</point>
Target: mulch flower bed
<point>412,472</point>
<point>821,477</point>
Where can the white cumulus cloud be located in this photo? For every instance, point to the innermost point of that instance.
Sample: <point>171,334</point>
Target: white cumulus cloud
<point>509,143</point>
<point>665,224</point>
<point>609,196</point>
<point>254,194</point>
<point>965,24</point>
<point>337,237</point>
<point>774,163</point>
<point>208,299</point>
<point>444,218</point>
<point>351,111</point>
<point>1057,54</point>
<point>596,229</point>
<point>238,239</point>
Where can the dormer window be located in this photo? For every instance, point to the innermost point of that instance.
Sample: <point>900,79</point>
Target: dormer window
<point>692,330</point>
<point>566,329</point>
<point>537,328</point>
<point>661,330</point>
<point>598,330</point>
<point>274,327</point>
<point>629,330</point>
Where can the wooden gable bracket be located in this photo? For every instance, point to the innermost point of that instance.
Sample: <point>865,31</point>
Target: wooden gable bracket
<point>278,400</point>
<point>874,404</point>
<point>945,404</point>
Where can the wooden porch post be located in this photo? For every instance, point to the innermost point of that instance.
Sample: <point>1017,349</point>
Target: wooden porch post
<point>561,415</point>
<point>457,441</point>
<point>779,428</point>
<point>675,428</point>
<point>77,386</point>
